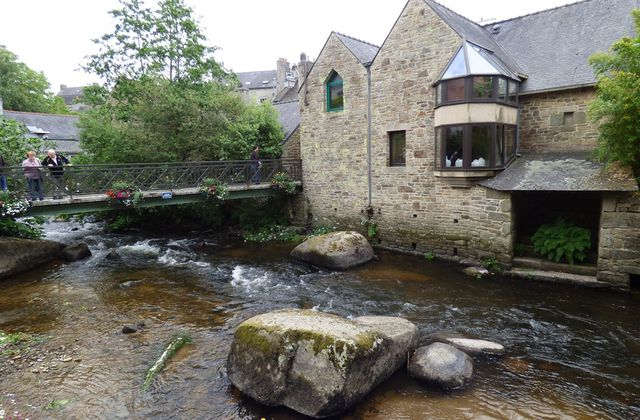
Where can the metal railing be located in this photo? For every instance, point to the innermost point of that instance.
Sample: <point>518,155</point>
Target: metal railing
<point>94,179</point>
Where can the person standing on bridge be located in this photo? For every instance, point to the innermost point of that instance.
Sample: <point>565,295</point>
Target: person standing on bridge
<point>3,176</point>
<point>54,162</point>
<point>255,164</point>
<point>31,167</point>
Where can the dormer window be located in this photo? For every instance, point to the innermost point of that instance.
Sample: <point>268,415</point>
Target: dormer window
<point>335,93</point>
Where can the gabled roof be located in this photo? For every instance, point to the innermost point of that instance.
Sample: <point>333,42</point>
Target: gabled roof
<point>287,94</point>
<point>255,79</point>
<point>363,51</point>
<point>70,93</point>
<point>553,46</point>
<point>57,127</point>
<point>289,116</point>
<point>474,33</point>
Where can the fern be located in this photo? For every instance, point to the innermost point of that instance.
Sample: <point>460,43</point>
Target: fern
<point>562,240</point>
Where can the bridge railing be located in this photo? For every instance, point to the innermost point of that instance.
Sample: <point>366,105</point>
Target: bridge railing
<point>95,179</point>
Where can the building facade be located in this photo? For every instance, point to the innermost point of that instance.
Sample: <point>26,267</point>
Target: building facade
<point>461,139</point>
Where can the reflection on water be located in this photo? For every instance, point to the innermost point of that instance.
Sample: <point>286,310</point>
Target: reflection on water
<point>571,353</point>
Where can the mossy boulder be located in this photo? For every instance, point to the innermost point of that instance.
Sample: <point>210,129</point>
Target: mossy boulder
<point>336,250</point>
<point>19,255</point>
<point>316,363</point>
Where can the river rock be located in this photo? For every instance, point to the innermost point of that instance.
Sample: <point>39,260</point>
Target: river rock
<point>441,364</point>
<point>476,272</point>
<point>18,255</point>
<point>128,329</point>
<point>475,346</point>
<point>336,250</point>
<point>75,251</point>
<point>113,256</point>
<point>316,363</point>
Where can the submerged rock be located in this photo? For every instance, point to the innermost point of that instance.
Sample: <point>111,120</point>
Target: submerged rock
<point>441,364</point>
<point>18,255</point>
<point>476,272</point>
<point>475,346</point>
<point>75,251</point>
<point>128,329</point>
<point>113,256</point>
<point>336,250</point>
<point>316,363</point>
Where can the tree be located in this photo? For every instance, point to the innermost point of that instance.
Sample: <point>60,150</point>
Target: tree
<point>13,143</point>
<point>617,103</point>
<point>24,89</point>
<point>168,99</point>
<point>164,43</point>
<point>164,121</point>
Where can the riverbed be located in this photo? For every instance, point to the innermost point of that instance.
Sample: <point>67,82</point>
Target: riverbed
<point>571,352</point>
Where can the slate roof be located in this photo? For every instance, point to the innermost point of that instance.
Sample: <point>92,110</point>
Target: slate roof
<point>70,94</point>
<point>289,116</point>
<point>559,172</point>
<point>253,79</point>
<point>363,51</point>
<point>553,46</point>
<point>62,129</point>
<point>474,33</point>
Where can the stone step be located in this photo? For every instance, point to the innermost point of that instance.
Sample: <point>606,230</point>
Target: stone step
<point>557,277</point>
<point>546,265</point>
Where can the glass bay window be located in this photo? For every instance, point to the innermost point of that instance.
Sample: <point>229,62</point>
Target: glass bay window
<point>475,146</point>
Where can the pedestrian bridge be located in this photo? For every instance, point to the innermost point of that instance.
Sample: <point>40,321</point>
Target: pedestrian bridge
<point>84,188</point>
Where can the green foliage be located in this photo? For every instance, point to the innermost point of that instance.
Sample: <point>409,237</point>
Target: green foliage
<point>275,233</point>
<point>163,121</point>
<point>55,404</point>
<point>166,42</point>
<point>617,103</point>
<point>491,264</point>
<point>322,228</point>
<point>27,228</point>
<point>283,181</point>
<point>176,343</point>
<point>24,89</point>
<point>258,214</point>
<point>429,256</point>
<point>13,143</point>
<point>562,240</point>
<point>214,188</point>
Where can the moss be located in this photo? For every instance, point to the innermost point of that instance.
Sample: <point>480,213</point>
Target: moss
<point>257,337</point>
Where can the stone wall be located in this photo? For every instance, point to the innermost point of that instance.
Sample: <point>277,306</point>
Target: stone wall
<point>334,144</point>
<point>291,146</point>
<point>557,121</point>
<point>619,247</point>
<point>414,210</point>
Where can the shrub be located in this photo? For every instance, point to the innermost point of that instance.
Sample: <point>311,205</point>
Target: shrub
<point>123,192</point>
<point>562,240</point>
<point>283,181</point>
<point>429,256</point>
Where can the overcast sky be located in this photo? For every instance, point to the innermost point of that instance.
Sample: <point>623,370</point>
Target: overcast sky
<point>54,36</point>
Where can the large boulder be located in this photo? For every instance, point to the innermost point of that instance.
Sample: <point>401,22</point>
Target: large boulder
<point>75,251</point>
<point>336,250</point>
<point>18,255</point>
<point>441,364</point>
<point>316,363</point>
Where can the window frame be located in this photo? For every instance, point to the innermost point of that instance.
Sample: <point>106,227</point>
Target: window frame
<point>467,146</point>
<point>330,84</point>
<point>441,91</point>
<point>390,137</point>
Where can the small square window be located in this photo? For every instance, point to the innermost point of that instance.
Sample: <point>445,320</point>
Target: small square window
<point>568,118</point>
<point>397,148</point>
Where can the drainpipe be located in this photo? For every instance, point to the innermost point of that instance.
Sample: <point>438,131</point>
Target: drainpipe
<point>370,208</point>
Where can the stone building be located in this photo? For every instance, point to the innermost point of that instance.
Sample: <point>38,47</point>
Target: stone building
<point>461,139</point>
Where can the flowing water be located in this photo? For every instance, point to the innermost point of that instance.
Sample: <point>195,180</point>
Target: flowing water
<point>572,353</point>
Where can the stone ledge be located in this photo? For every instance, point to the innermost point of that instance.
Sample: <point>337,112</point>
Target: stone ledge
<point>560,278</point>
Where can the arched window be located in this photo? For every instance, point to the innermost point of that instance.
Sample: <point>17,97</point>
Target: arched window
<point>335,97</point>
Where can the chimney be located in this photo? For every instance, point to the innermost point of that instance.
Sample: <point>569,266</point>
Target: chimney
<point>63,87</point>
<point>281,73</point>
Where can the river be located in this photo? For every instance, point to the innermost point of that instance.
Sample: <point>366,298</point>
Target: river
<point>571,352</point>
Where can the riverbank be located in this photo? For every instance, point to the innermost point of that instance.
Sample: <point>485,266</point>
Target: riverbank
<point>563,354</point>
